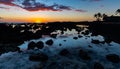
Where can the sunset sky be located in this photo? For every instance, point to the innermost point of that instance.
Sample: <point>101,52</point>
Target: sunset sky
<point>54,10</point>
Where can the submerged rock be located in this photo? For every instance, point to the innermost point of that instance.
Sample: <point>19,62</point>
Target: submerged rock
<point>64,52</point>
<point>31,45</point>
<point>98,66</point>
<point>113,58</point>
<point>89,46</point>
<point>80,36</point>
<point>38,57</point>
<point>84,55</point>
<point>75,38</point>
<point>49,42</point>
<point>64,40</point>
<point>60,44</point>
<point>40,45</point>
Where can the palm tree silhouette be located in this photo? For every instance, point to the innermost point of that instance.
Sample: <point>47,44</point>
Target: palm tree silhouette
<point>118,11</point>
<point>104,16</point>
<point>98,16</point>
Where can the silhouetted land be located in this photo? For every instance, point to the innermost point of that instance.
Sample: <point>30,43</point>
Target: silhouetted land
<point>12,35</point>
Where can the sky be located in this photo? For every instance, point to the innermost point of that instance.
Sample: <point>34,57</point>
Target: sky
<point>39,11</point>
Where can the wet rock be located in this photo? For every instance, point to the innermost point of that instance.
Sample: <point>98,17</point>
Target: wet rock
<point>64,52</point>
<point>31,45</point>
<point>107,40</point>
<point>53,35</point>
<point>18,49</point>
<point>113,58</point>
<point>84,55</point>
<point>64,40</point>
<point>75,38</point>
<point>40,45</point>
<point>49,42</point>
<point>60,44</point>
<point>98,66</point>
<point>89,46</point>
<point>2,50</point>
<point>95,41</point>
<point>38,57</point>
<point>86,32</point>
<point>103,42</point>
<point>79,36</point>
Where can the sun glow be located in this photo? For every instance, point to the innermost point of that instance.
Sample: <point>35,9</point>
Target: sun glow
<point>38,21</point>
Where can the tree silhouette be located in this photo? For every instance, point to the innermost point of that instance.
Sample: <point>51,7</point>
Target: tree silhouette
<point>104,16</point>
<point>118,11</point>
<point>98,16</point>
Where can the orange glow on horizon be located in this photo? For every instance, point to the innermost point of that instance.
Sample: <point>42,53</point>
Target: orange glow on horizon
<point>38,21</point>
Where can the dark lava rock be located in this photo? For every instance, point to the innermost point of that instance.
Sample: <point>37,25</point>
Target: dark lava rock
<point>95,41</point>
<point>60,44</point>
<point>75,38</point>
<point>18,49</point>
<point>107,40</point>
<point>84,55</point>
<point>79,36</point>
<point>86,32</point>
<point>49,42</point>
<point>53,35</point>
<point>64,52</point>
<point>113,58</point>
<point>38,57</point>
<point>103,42</point>
<point>31,45</point>
<point>2,50</point>
<point>64,40</point>
<point>89,46</point>
<point>40,45</point>
<point>98,66</point>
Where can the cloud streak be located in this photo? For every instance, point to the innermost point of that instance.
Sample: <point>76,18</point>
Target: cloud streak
<point>32,5</point>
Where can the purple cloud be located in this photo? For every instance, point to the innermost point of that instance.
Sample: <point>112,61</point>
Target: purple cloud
<point>32,5</point>
<point>7,2</point>
<point>79,10</point>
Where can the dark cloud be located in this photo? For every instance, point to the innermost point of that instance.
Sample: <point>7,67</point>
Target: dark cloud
<point>32,5</point>
<point>81,10</point>
<point>7,2</point>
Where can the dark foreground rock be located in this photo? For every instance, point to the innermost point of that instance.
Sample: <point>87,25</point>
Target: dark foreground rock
<point>95,41</point>
<point>40,45</point>
<point>84,55</point>
<point>80,36</point>
<point>75,38</point>
<point>8,48</point>
<point>31,45</point>
<point>49,42</point>
<point>113,58</point>
<point>38,57</point>
<point>64,52</point>
<point>98,66</point>
<point>53,35</point>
